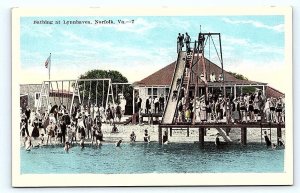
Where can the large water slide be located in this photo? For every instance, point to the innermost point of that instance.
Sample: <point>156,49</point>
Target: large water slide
<point>169,112</point>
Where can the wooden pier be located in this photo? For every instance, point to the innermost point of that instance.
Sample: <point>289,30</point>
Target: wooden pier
<point>203,126</point>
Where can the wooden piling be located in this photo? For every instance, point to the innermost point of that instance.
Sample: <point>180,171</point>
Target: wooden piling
<point>159,135</point>
<point>171,131</point>
<point>279,134</point>
<point>244,135</point>
<point>188,132</point>
<point>201,136</point>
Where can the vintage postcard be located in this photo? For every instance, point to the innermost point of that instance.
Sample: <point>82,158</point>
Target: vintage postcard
<point>152,97</point>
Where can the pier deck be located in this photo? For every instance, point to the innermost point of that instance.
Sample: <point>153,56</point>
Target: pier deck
<point>222,125</point>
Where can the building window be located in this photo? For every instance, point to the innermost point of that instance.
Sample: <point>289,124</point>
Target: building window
<point>167,91</point>
<point>155,91</point>
<point>37,96</point>
<point>149,91</point>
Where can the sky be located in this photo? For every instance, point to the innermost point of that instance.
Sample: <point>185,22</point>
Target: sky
<point>251,45</point>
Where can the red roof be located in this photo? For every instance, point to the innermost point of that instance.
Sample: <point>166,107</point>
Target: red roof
<point>272,92</point>
<point>163,77</point>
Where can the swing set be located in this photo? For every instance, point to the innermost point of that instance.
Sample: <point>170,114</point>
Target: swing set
<point>85,91</point>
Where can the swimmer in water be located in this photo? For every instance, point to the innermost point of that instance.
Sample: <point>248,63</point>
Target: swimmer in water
<point>67,146</point>
<point>99,137</point>
<point>165,138</point>
<point>280,142</point>
<point>267,140</point>
<point>146,136</point>
<point>118,144</point>
<point>132,137</point>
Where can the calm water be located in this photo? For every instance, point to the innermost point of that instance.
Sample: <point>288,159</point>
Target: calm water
<point>153,158</point>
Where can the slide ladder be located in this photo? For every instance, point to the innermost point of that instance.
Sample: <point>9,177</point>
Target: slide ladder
<point>187,78</point>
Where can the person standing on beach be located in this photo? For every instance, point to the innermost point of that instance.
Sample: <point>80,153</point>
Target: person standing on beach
<point>63,127</point>
<point>50,131</point>
<point>139,103</point>
<point>25,120</point>
<point>118,113</point>
<point>35,132</point>
<point>28,145</point>
<point>92,112</point>
<point>96,111</point>
<point>89,124</point>
<point>102,114</point>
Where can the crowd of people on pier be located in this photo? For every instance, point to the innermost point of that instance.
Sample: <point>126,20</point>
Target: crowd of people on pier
<point>247,108</point>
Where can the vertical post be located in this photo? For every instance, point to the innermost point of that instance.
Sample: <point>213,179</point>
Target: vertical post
<point>188,132</point>
<point>171,131</point>
<point>201,136</point>
<point>116,91</point>
<point>49,66</point>
<point>97,93</point>
<point>159,135</point>
<point>57,90</point>
<point>261,135</point>
<point>279,134</point>
<point>69,94</point>
<point>48,95</point>
<point>152,100</point>
<point>264,91</point>
<point>167,134</point>
<point>133,101</point>
<point>235,91</point>
<point>271,134</point>
<point>223,75</point>
<point>78,93</point>
<point>107,94</point>
<point>244,135</point>
<point>62,91</point>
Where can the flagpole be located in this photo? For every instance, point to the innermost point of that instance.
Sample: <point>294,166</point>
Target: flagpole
<point>49,66</point>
